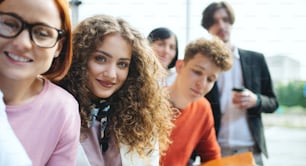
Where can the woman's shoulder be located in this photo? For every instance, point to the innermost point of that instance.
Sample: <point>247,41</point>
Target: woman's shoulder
<point>57,92</point>
<point>59,98</point>
<point>61,104</point>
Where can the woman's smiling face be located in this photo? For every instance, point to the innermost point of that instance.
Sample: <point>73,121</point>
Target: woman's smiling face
<point>108,66</point>
<point>165,50</point>
<point>20,57</point>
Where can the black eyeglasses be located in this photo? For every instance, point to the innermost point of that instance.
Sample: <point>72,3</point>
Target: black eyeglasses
<point>42,35</point>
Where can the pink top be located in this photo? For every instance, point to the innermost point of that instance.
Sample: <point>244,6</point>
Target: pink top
<point>92,148</point>
<point>48,126</point>
<point>10,147</point>
<point>115,155</point>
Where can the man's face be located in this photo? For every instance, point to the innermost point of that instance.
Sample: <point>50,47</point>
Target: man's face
<point>222,26</point>
<point>196,77</point>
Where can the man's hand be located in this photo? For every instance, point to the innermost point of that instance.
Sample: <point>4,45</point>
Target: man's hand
<point>245,99</point>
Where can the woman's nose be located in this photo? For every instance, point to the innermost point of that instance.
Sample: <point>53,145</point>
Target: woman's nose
<point>23,40</point>
<point>110,72</point>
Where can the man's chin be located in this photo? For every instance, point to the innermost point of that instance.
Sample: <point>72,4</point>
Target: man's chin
<point>195,98</point>
<point>224,39</point>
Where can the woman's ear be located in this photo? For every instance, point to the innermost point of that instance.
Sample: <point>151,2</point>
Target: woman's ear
<point>59,48</point>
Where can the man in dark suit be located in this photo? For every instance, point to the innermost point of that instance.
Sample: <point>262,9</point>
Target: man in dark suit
<point>241,94</point>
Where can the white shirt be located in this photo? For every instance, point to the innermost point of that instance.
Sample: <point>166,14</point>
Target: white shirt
<point>234,130</point>
<point>171,77</point>
<point>169,80</point>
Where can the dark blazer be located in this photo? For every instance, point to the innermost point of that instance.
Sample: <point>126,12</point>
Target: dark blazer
<point>256,77</point>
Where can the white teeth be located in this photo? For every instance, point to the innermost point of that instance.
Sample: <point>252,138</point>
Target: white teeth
<point>18,58</point>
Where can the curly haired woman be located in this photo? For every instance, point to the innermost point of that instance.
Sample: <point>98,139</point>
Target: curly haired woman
<point>125,115</point>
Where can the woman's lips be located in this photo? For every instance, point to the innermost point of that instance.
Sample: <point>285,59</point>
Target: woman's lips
<point>17,58</point>
<point>106,84</point>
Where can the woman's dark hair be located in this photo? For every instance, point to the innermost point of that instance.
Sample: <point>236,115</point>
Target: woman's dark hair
<point>162,34</point>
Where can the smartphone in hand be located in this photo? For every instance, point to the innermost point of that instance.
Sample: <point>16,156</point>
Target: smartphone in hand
<point>237,89</point>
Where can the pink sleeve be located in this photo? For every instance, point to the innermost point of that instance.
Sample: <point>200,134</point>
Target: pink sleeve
<point>65,153</point>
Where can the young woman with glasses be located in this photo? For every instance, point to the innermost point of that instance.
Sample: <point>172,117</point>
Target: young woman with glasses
<point>126,118</point>
<point>35,50</point>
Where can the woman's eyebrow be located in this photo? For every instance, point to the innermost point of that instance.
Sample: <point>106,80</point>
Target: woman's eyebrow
<point>105,53</point>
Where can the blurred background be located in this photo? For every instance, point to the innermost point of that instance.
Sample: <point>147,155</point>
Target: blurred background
<point>275,28</point>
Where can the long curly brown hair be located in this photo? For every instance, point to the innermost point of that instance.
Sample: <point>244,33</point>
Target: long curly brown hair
<point>140,112</point>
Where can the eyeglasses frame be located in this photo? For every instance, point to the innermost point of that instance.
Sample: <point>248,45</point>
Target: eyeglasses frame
<point>29,26</point>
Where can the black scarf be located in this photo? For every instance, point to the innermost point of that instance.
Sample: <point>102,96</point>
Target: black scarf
<point>101,112</point>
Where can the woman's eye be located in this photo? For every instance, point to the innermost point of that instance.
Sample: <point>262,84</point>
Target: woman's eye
<point>123,65</point>
<point>160,43</point>
<point>100,58</point>
<point>10,24</point>
<point>43,32</point>
<point>172,46</point>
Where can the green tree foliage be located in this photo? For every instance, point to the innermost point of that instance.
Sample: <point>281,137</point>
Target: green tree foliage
<point>291,94</point>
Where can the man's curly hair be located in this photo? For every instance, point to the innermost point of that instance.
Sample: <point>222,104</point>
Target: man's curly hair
<point>140,111</point>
